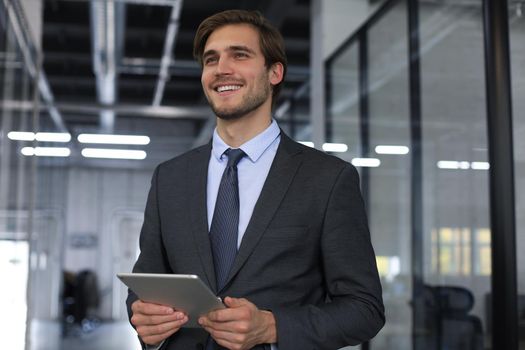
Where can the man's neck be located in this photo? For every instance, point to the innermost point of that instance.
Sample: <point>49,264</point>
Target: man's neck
<point>238,131</point>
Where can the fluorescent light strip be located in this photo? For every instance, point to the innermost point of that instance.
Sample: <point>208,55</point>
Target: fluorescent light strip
<point>462,165</point>
<point>113,153</point>
<point>21,136</point>
<point>53,136</point>
<point>335,147</point>
<point>307,143</point>
<point>39,136</point>
<point>114,139</point>
<point>388,149</point>
<point>480,165</point>
<point>453,164</point>
<point>366,162</point>
<point>46,151</point>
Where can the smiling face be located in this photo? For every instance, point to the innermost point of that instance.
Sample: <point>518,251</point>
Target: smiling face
<point>235,79</point>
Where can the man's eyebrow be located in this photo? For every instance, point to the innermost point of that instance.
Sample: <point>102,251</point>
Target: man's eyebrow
<point>232,48</point>
<point>241,48</point>
<point>208,53</point>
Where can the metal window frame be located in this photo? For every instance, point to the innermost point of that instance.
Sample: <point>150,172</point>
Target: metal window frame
<point>502,209</point>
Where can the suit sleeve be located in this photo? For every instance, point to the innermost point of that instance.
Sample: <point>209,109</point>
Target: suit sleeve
<point>152,258</point>
<point>353,312</point>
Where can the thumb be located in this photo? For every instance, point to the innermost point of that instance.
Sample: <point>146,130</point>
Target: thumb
<point>234,302</point>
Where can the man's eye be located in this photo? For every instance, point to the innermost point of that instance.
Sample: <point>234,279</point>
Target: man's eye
<point>210,60</point>
<point>241,55</point>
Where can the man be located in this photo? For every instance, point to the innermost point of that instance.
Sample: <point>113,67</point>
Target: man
<point>302,274</point>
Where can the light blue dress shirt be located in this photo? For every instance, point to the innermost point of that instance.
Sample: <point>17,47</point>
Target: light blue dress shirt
<point>252,171</point>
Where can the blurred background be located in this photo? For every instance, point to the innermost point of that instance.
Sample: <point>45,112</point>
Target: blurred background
<point>94,94</point>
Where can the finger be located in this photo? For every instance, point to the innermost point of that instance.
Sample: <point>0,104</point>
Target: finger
<point>235,302</point>
<point>228,335</point>
<point>215,326</point>
<point>139,319</point>
<point>151,308</point>
<point>233,327</point>
<point>230,314</point>
<point>160,329</point>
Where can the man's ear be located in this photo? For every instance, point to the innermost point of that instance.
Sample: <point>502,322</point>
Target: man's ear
<point>276,73</point>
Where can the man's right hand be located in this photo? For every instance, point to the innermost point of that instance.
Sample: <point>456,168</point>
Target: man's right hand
<point>154,323</point>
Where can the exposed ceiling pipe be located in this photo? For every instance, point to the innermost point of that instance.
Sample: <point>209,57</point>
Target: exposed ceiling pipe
<point>107,28</point>
<point>167,55</point>
<point>31,56</point>
<point>185,112</point>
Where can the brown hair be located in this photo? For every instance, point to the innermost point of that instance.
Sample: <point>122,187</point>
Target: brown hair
<point>270,39</point>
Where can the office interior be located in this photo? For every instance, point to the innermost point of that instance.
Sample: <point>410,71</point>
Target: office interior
<point>399,88</point>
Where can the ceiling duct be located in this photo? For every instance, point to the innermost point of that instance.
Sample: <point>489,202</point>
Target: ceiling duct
<point>32,57</point>
<point>167,55</point>
<point>107,31</point>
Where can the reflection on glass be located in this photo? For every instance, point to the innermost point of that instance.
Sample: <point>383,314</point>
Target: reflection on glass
<point>454,254</point>
<point>343,102</point>
<point>389,183</point>
<point>457,274</point>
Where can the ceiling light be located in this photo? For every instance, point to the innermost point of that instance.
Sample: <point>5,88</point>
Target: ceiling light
<point>21,136</point>
<point>366,162</point>
<point>114,139</point>
<point>39,136</point>
<point>386,149</point>
<point>46,151</point>
<point>335,147</point>
<point>480,165</point>
<point>307,143</point>
<point>53,136</point>
<point>113,153</point>
<point>453,164</point>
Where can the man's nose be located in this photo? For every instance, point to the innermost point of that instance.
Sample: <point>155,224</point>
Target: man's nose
<point>224,66</point>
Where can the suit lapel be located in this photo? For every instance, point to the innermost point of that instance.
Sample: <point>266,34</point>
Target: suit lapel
<point>283,169</point>
<point>197,179</point>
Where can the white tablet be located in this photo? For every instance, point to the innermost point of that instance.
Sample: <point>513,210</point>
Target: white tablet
<point>182,292</point>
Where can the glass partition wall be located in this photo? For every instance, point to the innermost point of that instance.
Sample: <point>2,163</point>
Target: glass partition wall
<point>412,110</point>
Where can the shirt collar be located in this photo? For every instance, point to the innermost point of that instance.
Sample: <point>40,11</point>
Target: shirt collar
<point>254,148</point>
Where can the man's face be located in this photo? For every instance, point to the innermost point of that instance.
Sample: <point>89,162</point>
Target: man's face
<point>234,76</point>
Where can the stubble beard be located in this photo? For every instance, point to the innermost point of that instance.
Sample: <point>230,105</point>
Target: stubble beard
<point>249,103</point>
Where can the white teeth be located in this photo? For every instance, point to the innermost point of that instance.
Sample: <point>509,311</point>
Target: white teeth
<point>228,88</point>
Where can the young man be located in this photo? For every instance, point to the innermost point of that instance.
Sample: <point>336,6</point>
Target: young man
<point>301,273</point>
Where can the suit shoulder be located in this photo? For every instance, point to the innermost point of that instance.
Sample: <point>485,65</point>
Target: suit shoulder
<point>322,159</point>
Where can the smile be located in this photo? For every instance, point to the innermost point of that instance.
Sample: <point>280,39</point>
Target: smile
<point>224,88</point>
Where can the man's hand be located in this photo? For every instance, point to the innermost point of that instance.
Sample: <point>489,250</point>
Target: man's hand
<point>240,326</point>
<point>154,323</point>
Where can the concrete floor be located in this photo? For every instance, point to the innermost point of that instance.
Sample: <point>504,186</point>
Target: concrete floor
<point>47,335</point>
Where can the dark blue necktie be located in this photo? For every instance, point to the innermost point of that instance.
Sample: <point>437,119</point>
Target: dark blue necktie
<point>225,222</point>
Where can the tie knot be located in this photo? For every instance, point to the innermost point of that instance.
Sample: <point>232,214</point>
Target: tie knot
<point>234,156</point>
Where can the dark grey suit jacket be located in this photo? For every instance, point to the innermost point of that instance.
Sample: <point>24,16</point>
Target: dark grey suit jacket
<point>306,254</point>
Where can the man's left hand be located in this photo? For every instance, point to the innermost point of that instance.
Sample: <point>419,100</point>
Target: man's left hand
<point>241,325</point>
